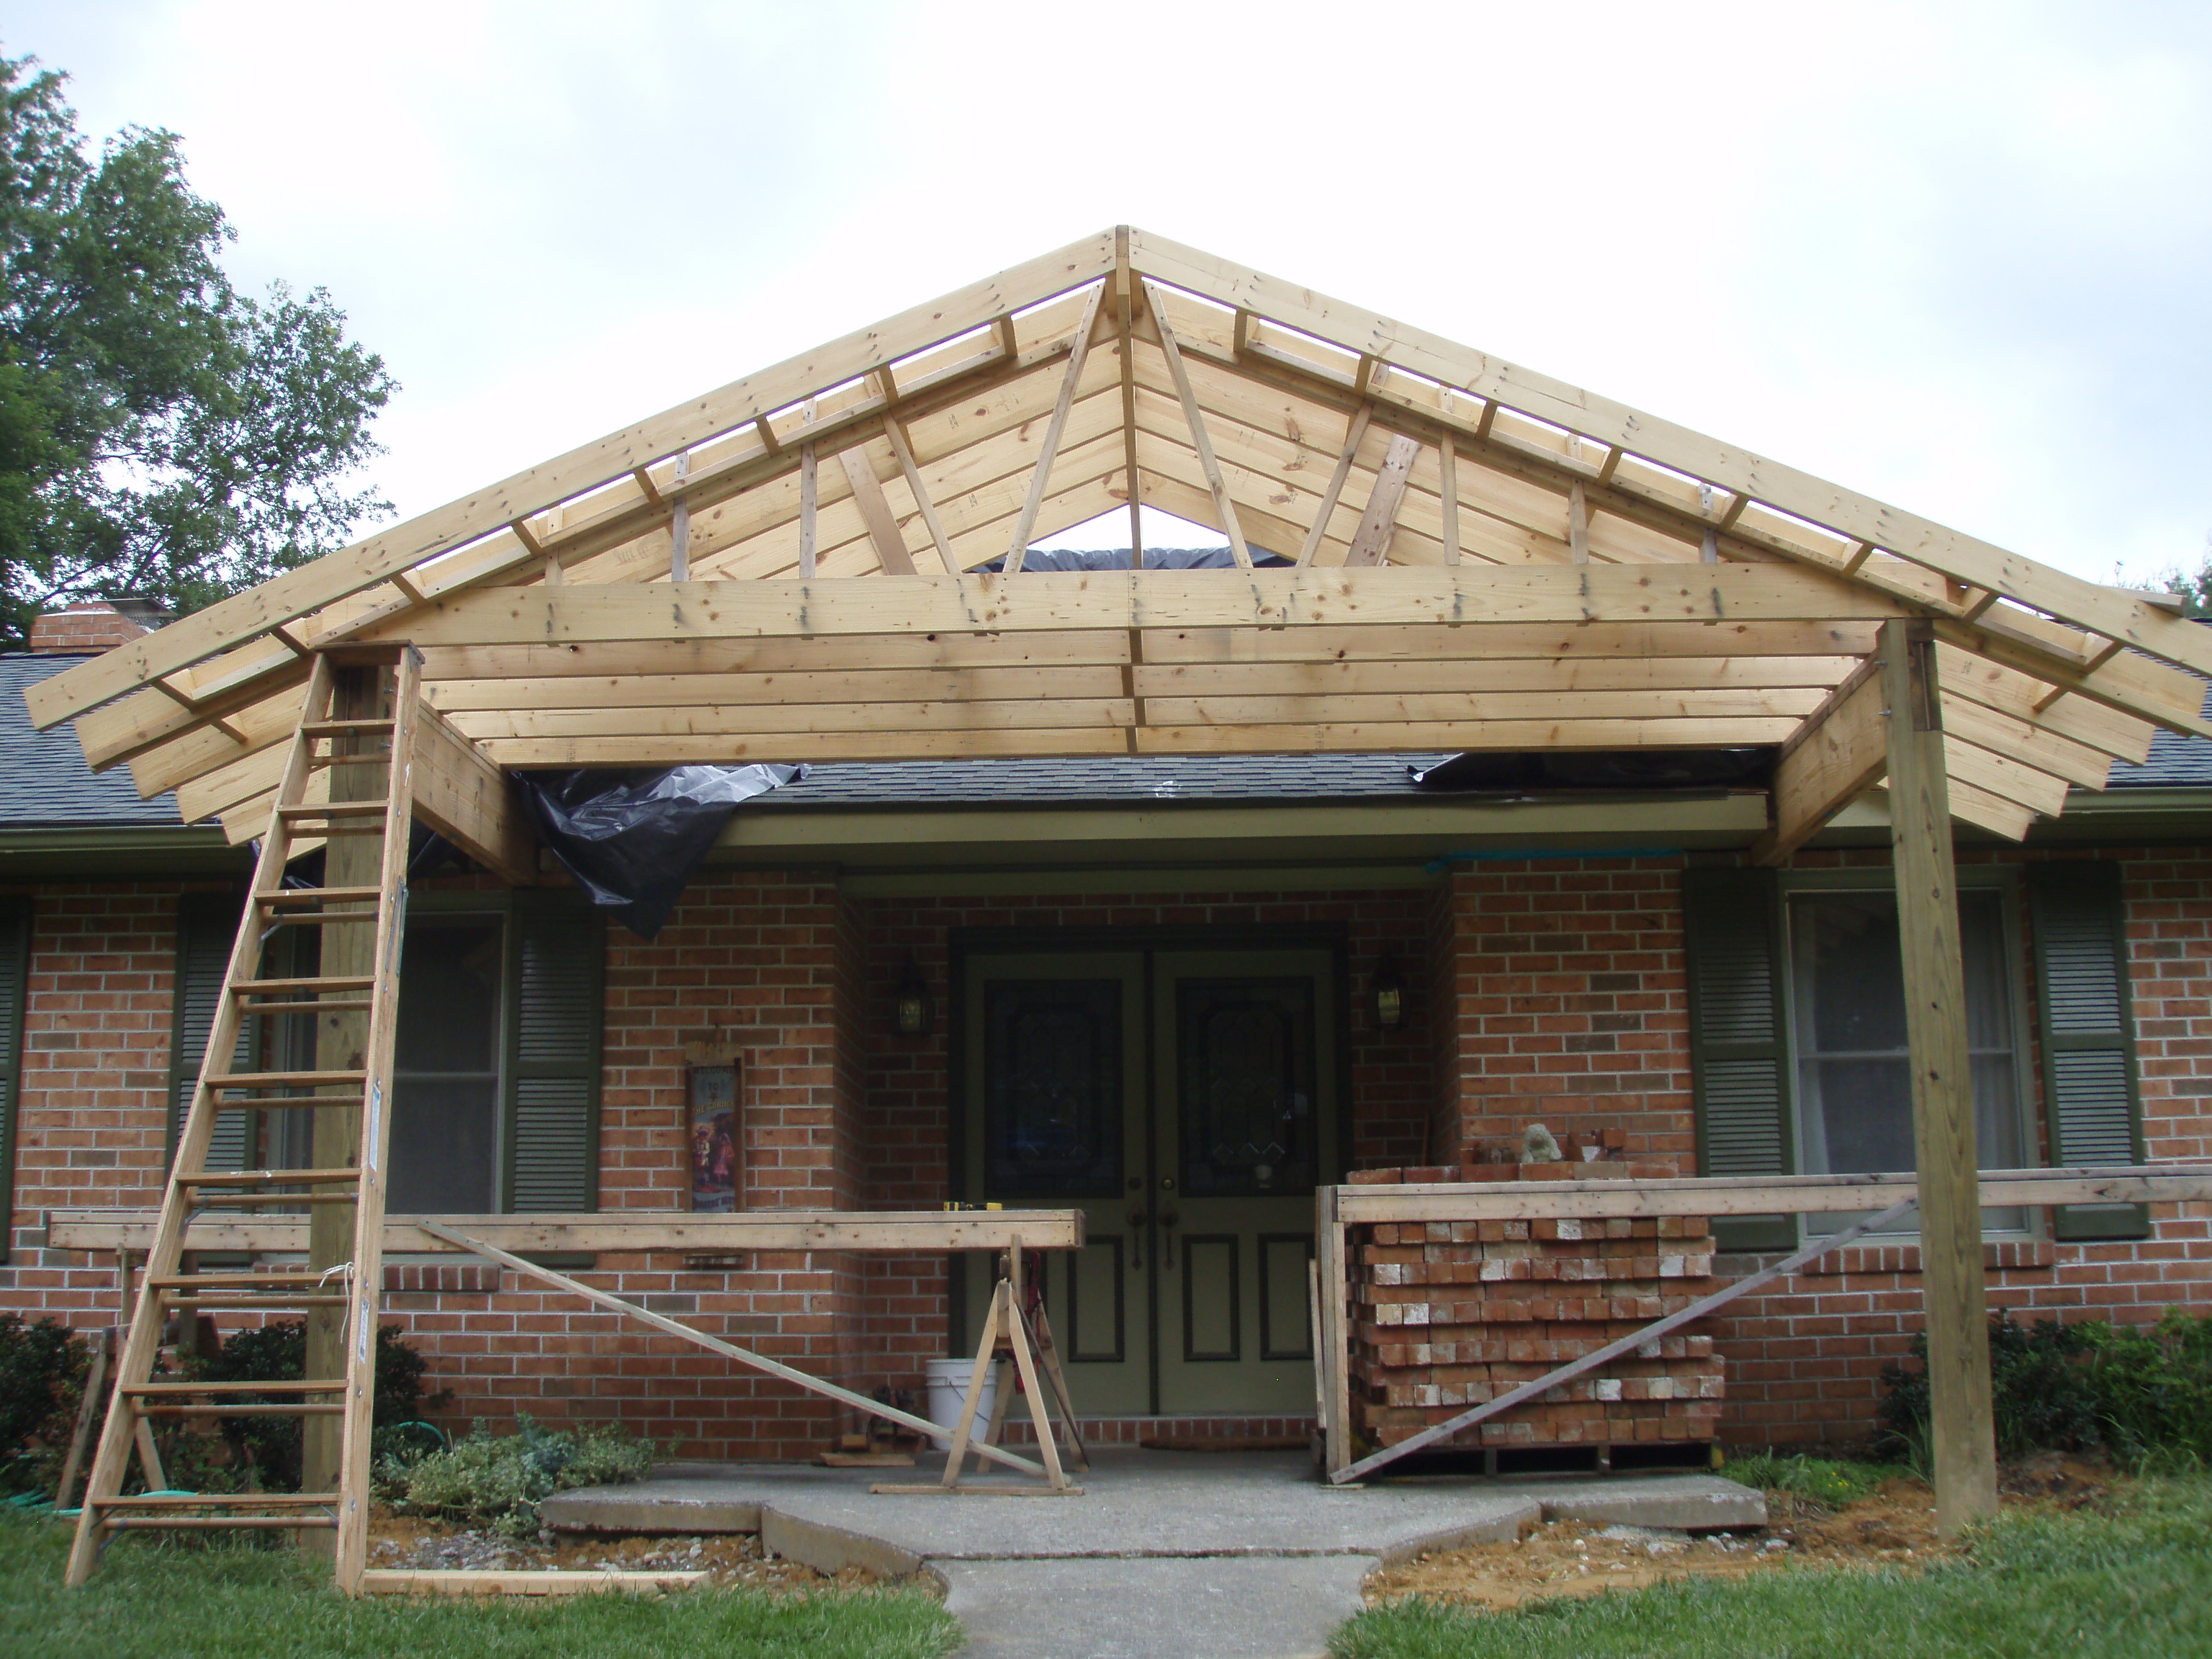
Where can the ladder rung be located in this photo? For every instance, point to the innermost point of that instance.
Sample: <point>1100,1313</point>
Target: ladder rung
<point>342,728</point>
<point>245,1500</point>
<point>337,808</point>
<point>266,1385</point>
<point>239,1301</point>
<point>321,917</point>
<point>329,1005</point>
<point>245,1408</point>
<point>284,896</point>
<point>248,1200</point>
<point>286,1080</point>
<point>332,982</point>
<point>210,1522</point>
<point>268,1178</point>
<point>272,1279</point>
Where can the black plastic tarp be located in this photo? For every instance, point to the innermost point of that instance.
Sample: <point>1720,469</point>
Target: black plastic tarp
<point>1598,768</point>
<point>632,839</point>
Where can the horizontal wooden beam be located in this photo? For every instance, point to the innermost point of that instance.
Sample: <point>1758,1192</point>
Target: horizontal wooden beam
<point>463,794</point>
<point>1840,751</point>
<point>900,1231</point>
<point>1811,1195</point>
<point>1468,596</point>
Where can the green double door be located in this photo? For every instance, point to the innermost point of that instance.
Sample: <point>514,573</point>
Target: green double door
<point>1186,1101</point>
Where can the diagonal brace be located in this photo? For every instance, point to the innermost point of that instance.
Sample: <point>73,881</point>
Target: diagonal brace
<point>727,1350</point>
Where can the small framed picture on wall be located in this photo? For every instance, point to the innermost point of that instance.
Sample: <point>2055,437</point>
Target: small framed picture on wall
<point>713,1130</point>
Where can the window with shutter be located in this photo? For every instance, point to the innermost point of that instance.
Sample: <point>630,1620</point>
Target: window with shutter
<point>1739,1059</point>
<point>2091,1090</point>
<point>15,978</point>
<point>207,931</point>
<point>556,950</point>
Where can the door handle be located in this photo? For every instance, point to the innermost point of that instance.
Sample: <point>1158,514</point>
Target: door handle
<point>1136,1234</point>
<point>1168,1220</point>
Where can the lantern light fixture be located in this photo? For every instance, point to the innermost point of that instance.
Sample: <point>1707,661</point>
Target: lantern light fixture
<point>1389,995</point>
<point>913,1007</point>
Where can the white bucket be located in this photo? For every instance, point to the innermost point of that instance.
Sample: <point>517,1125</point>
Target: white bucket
<point>948,1397</point>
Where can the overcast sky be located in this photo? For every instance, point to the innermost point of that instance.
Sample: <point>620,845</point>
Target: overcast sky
<point>1956,257</point>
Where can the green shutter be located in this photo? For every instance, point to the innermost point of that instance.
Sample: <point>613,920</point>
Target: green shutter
<point>2091,1091</point>
<point>1738,1050</point>
<point>15,980</point>
<point>558,950</point>
<point>207,931</point>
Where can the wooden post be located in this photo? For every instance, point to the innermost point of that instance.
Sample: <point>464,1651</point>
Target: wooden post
<point>341,1044</point>
<point>1962,1428</point>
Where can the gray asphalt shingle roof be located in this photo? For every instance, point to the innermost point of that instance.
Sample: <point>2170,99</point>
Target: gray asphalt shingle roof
<point>2175,762</point>
<point>44,781</point>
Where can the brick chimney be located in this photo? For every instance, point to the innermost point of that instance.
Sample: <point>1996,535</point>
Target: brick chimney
<point>93,625</point>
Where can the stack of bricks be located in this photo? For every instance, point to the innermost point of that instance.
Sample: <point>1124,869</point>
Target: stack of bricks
<point>1448,1315</point>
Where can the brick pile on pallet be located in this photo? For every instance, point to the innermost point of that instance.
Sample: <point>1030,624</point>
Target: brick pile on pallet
<point>1450,1315</point>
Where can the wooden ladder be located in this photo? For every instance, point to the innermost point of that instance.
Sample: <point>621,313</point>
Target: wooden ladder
<point>357,725</point>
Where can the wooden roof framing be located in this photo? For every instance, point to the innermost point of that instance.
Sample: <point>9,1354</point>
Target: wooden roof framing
<point>1482,558</point>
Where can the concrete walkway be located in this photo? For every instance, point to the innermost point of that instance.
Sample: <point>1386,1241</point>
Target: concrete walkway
<point>1166,1556</point>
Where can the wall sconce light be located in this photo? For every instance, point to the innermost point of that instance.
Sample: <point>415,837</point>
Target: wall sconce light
<point>1389,995</point>
<point>913,1001</point>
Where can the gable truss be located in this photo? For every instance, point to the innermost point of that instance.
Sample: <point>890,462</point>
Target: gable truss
<point>1473,569</point>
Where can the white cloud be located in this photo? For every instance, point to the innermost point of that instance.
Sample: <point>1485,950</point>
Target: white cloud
<point>1955,257</point>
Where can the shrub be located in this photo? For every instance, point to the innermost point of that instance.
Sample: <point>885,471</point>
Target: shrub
<point>2130,1390</point>
<point>499,1479</point>
<point>265,1451</point>
<point>42,1372</point>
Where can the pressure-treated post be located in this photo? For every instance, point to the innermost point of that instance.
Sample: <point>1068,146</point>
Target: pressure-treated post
<point>1964,1436</point>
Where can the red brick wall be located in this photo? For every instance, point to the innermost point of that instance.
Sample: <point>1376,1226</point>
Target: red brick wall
<point>1568,981</point>
<point>1573,1010</point>
<point>94,1108</point>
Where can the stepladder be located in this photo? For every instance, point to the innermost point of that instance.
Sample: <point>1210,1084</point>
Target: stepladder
<point>1018,1339</point>
<point>303,1035</point>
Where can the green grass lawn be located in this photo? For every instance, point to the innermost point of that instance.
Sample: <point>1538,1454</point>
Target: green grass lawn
<point>239,1602</point>
<point>2133,1581</point>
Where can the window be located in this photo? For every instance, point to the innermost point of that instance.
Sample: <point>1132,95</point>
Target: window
<point>446,1067</point>
<point>1847,1037</point>
<point>1797,1038</point>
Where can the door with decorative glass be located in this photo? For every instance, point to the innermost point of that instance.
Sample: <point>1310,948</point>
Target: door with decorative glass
<point>1243,1065</point>
<point>1054,1067</point>
<point>1186,1101</point>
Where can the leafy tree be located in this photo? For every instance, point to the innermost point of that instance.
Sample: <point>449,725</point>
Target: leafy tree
<point>161,434</point>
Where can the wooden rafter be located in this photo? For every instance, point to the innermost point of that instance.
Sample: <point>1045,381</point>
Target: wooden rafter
<point>1370,543</point>
<point>1335,487</point>
<point>1049,448</point>
<point>875,512</point>
<point>1223,506</point>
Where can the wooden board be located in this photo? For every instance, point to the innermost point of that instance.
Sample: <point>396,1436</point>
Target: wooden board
<point>1520,1201</point>
<point>919,1231</point>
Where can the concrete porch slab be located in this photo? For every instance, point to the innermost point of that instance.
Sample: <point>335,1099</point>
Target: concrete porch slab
<point>1152,1505</point>
<point>1167,1555</point>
